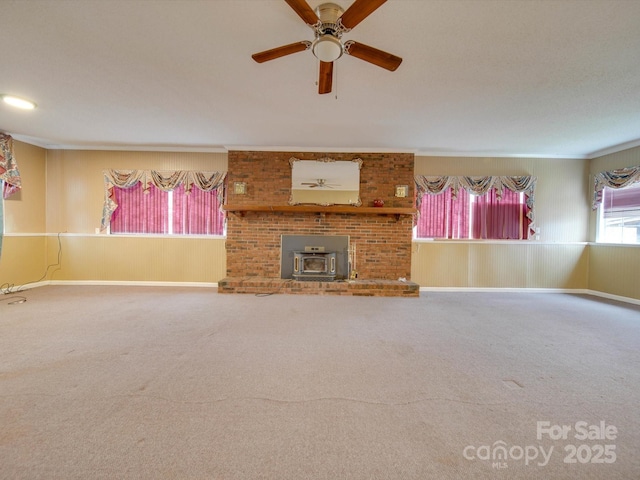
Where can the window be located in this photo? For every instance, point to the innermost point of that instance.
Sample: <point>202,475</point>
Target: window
<point>472,216</point>
<point>174,212</point>
<point>616,195</point>
<point>499,218</point>
<point>140,211</point>
<point>475,207</point>
<point>197,213</point>
<point>619,220</point>
<point>152,202</point>
<point>442,216</point>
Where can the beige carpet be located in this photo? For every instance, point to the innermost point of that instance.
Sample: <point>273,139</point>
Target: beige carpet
<point>156,383</point>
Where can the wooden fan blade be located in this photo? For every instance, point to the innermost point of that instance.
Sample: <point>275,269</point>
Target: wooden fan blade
<point>358,11</point>
<point>280,51</point>
<point>304,11</point>
<point>373,55</point>
<point>326,77</point>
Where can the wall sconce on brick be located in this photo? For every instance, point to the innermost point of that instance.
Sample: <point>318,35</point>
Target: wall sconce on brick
<point>240,188</point>
<point>402,191</point>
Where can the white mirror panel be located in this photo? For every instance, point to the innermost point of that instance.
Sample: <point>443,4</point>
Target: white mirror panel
<point>325,182</point>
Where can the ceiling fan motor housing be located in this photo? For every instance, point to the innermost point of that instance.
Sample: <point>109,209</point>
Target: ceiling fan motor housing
<point>329,13</point>
<point>327,46</point>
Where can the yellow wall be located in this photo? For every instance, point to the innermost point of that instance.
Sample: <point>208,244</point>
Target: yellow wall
<point>70,210</point>
<point>23,260</point>
<point>561,203</point>
<point>119,258</point>
<point>446,264</point>
<point>558,260</point>
<point>613,269</point>
<point>76,184</point>
<point>23,257</point>
<point>63,192</point>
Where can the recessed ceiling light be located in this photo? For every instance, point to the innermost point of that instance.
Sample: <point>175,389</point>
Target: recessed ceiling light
<point>18,102</point>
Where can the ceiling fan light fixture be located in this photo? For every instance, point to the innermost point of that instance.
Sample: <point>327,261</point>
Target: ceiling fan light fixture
<point>327,48</point>
<point>18,102</point>
<point>329,22</point>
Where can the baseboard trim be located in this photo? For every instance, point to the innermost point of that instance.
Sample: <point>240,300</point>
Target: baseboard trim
<point>504,290</point>
<point>617,298</point>
<point>134,283</point>
<point>20,288</point>
<point>575,291</point>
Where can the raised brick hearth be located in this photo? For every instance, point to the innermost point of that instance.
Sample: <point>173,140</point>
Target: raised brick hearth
<point>362,288</point>
<point>383,241</point>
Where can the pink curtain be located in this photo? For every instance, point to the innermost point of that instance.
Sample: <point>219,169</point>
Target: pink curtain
<point>442,216</point>
<point>499,219</point>
<point>139,211</point>
<point>197,212</point>
<point>10,181</point>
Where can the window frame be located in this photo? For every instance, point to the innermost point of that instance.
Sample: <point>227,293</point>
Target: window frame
<point>602,236</point>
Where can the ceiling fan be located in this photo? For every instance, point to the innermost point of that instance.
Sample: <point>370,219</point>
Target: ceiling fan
<point>329,21</point>
<point>321,182</point>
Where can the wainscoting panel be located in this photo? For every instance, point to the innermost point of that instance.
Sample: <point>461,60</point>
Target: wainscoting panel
<point>615,269</point>
<point>440,264</point>
<point>564,265</point>
<point>23,259</point>
<point>500,265</point>
<point>139,259</point>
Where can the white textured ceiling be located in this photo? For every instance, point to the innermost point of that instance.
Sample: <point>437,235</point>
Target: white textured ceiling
<point>479,77</point>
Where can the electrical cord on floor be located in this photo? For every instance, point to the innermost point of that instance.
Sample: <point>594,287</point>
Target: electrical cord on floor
<point>10,297</point>
<point>8,290</point>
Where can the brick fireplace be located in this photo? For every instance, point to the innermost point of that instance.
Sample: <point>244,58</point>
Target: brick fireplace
<point>382,240</point>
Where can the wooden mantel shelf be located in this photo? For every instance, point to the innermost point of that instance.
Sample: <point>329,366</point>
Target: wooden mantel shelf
<point>397,211</point>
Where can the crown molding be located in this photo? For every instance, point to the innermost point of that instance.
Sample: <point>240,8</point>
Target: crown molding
<point>469,154</point>
<point>47,145</point>
<point>140,148</point>
<point>614,149</point>
<point>258,148</point>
